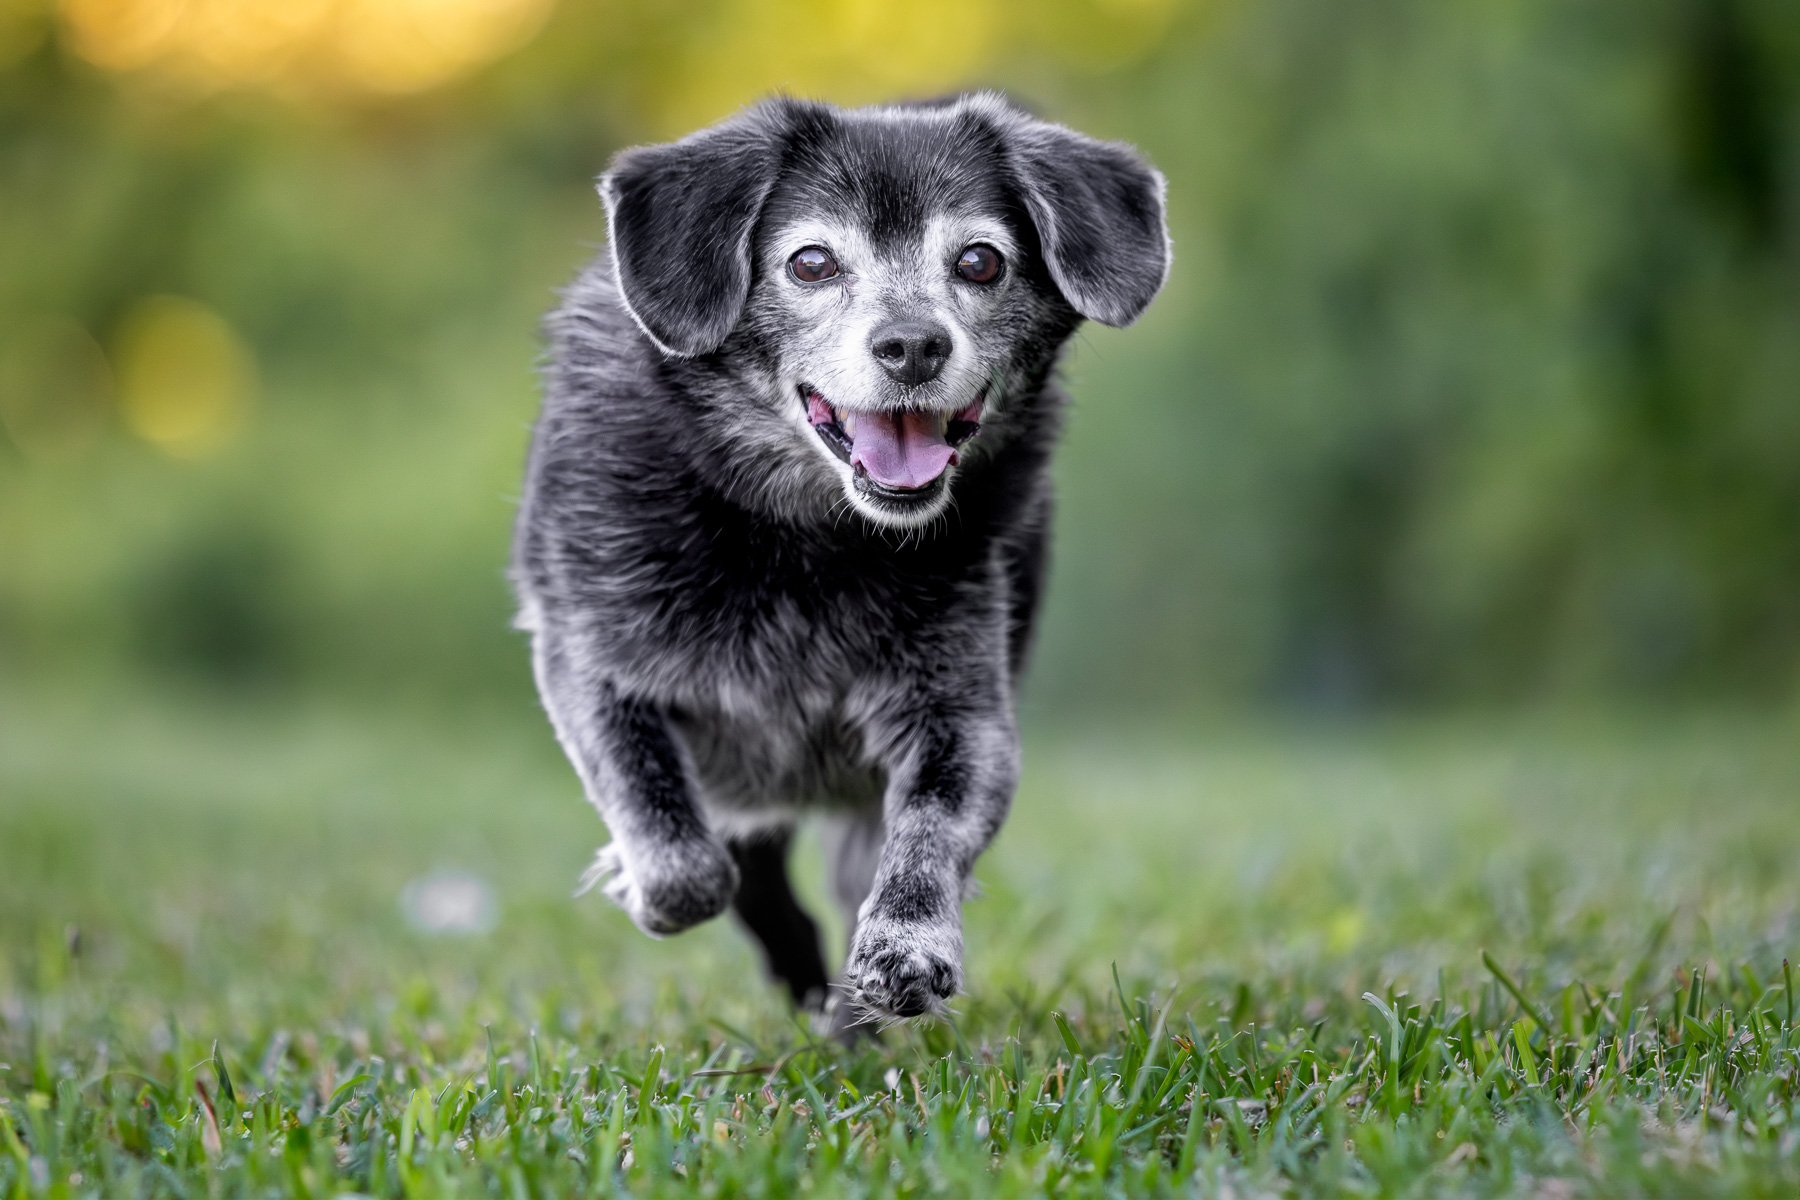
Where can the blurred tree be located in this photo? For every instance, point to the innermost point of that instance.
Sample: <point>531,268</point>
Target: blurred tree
<point>1488,383</point>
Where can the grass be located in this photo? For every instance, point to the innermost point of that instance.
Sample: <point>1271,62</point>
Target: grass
<point>1540,957</point>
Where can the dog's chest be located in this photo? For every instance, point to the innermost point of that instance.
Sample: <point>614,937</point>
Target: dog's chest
<point>765,648</point>
<point>714,608</point>
<point>765,642</point>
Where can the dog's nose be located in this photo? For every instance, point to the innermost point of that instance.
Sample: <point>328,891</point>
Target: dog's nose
<point>913,352</point>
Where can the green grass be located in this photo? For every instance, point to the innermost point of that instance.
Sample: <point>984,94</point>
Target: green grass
<point>1245,959</point>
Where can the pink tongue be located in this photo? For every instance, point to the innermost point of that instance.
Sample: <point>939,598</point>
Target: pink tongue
<point>900,449</point>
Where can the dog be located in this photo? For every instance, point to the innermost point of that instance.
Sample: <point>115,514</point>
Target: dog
<point>783,531</point>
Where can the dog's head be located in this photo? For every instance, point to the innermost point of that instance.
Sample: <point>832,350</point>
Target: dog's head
<point>883,278</point>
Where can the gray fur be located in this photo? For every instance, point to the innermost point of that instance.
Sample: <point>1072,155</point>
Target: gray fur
<point>731,624</point>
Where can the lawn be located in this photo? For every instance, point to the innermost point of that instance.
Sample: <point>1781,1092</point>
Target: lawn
<point>1236,958</point>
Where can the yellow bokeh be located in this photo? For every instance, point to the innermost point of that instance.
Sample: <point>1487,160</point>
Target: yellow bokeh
<point>186,380</point>
<point>723,54</point>
<point>377,45</point>
<point>409,45</point>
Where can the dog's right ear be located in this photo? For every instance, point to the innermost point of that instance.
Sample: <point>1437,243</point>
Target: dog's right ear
<point>679,217</point>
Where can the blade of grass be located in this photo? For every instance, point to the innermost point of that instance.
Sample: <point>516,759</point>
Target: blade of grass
<point>227,1093</point>
<point>1068,1035</point>
<point>1506,982</point>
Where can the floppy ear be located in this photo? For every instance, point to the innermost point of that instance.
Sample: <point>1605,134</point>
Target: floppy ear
<point>679,217</point>
<point>1098,207</point>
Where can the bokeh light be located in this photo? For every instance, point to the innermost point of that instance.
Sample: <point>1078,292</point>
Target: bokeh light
<point>375,45</point>
<point>719,57</point>
<point>185,378</point>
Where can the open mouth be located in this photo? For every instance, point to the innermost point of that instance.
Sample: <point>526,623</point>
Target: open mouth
<point>896,453</point>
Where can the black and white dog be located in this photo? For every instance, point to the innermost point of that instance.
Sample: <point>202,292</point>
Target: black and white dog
<point>783,528</point>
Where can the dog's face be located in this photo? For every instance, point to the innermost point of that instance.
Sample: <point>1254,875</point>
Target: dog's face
<point>886,277</point>
<point>894,298</point>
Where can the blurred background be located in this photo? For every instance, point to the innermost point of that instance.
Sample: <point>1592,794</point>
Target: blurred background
<point>1477,382</point>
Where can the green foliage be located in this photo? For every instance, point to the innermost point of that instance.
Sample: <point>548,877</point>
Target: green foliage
<point>1546,958</point>
<point>1478,375</point>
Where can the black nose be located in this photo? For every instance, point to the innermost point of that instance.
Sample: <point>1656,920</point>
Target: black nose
<point>913,352</point>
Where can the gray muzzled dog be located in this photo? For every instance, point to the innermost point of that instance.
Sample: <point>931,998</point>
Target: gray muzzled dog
<point>784,520</point>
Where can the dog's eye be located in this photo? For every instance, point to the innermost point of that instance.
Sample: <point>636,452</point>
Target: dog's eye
<point>813,265</point>
<point>979,264</point>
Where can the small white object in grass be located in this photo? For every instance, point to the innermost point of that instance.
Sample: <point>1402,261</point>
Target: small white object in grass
<point>449,902</point>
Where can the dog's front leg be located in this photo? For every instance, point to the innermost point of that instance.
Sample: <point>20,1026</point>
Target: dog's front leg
<point>663,866</point>
<point>949,788</point>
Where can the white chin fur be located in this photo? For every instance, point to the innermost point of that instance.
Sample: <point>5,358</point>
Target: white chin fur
<point>912,517</point>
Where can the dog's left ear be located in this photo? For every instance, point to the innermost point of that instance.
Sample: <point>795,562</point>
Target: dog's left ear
<point>679,217</point>
<point>1099,211</point>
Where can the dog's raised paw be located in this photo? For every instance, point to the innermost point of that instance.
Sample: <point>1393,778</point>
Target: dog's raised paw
<point>898,970</point>
<point>681,887</point>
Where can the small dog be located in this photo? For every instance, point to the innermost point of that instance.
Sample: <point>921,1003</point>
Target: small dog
<point>783,528</point>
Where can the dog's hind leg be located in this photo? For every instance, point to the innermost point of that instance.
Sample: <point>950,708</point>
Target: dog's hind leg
<point>766,906</point>
<point>852,855</point>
